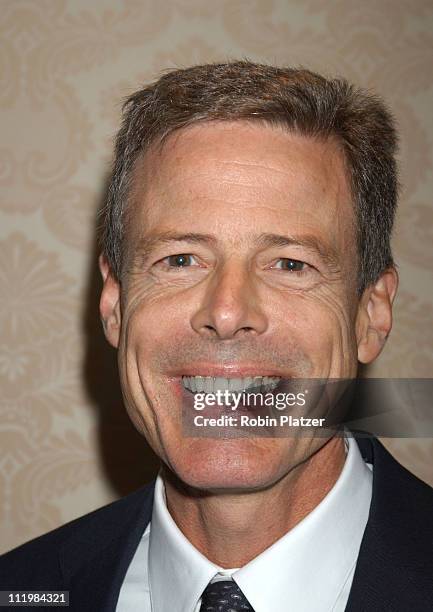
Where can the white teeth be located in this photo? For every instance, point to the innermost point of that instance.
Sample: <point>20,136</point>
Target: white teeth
<point>199,383</point>
<point>217,384</point>
<point>208,384</point>
<point>235,384</point>
<point>212,384</point>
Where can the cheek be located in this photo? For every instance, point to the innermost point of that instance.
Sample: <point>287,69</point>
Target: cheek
<point>340,331</point>
<point>154,326</point>
<point>322,323</point>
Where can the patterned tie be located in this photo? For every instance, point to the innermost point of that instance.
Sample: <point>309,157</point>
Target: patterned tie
<point>224,596</point>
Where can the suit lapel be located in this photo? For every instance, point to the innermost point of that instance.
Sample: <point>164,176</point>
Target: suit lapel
<point>393,570</point>
<point>95,563</point>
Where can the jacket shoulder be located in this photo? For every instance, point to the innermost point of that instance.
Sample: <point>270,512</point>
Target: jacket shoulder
<point>37,562</point>
<point>395,562</point>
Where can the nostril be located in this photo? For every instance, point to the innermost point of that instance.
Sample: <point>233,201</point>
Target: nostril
<point>239,332</point>
<point>245,330</point>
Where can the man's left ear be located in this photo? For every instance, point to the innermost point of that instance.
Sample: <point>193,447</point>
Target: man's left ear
<point>374,318</point>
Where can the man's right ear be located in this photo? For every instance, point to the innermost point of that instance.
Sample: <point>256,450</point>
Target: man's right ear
<point>109,304</point>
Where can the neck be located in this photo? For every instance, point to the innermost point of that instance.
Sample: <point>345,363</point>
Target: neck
<point>230,529</point>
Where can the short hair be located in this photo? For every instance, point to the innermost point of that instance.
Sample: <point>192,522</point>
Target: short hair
<point>296,99</point>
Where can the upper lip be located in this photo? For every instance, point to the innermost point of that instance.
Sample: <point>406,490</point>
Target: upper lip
<point>228,370</point>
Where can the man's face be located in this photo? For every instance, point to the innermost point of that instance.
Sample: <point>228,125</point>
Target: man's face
<point>241,262</point>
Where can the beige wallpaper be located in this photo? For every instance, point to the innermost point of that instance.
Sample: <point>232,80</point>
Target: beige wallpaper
<point>66,445</point>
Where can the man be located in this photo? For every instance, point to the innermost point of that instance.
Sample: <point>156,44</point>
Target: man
<point>246,239</point>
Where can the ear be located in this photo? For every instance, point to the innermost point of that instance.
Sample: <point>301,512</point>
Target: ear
<point>374,317</point>
<point>109,304</point>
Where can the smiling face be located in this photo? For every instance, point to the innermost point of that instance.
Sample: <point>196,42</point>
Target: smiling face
<point>241,261</point>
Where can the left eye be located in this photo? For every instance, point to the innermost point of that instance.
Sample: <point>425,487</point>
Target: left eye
<point>180,261</point>
<point>291,265</point>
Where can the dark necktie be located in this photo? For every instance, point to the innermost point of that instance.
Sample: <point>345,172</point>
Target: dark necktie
<point>224,596</point>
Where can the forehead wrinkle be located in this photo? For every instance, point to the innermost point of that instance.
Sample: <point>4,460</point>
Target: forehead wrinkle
<point>244,172</point>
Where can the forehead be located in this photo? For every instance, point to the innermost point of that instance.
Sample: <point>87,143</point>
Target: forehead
<point>232,175</point>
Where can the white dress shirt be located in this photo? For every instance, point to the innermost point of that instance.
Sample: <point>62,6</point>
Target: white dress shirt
<point>309,569</point>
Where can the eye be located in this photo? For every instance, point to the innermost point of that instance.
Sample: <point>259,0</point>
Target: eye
<point>290,265</point>
<point>182,260</point>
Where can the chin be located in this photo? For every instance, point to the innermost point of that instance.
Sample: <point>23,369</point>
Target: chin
<point>230,464</point>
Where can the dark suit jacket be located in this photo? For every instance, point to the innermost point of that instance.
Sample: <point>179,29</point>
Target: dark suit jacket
<point>90,556</point>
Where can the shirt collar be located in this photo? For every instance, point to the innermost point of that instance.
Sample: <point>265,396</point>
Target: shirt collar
<point>178,572</point>
<point>308,566</point>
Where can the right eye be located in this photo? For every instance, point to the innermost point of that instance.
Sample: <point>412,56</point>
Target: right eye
<point>178,261</point>
<point>182,260</point>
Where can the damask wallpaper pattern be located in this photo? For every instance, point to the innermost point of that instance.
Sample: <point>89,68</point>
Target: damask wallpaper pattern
<point>66,446</point>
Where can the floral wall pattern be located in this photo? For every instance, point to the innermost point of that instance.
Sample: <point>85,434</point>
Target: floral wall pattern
<point>66,445</point>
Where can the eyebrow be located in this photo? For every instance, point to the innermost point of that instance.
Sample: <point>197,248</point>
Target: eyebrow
<point>147,244</point>
<point>308,241</point>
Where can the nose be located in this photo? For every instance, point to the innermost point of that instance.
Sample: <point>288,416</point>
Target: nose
<point>230,307</point>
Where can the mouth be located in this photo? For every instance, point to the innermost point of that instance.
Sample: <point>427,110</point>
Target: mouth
<point>215,384</point>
